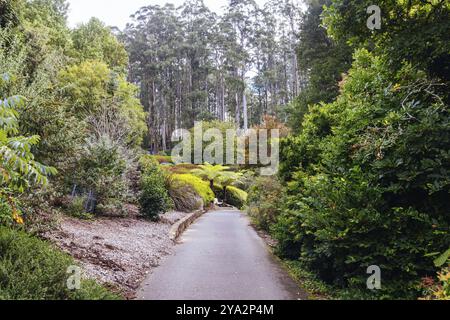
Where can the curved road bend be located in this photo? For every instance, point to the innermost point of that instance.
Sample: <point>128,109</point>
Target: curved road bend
<point>221,257</point>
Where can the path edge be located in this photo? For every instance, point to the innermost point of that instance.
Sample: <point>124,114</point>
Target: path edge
<point>178,228</point>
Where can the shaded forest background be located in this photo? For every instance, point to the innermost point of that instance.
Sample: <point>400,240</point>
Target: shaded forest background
<point>192,64</point>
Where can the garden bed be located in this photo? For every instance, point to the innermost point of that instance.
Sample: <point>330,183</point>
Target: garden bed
<point>116,251</point>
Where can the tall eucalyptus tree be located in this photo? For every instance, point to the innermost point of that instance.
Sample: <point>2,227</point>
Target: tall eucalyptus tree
<point>192,64</point>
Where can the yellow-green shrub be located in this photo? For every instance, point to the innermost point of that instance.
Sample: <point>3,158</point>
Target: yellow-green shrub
<point>147,162</point>
<point>443,291</point>
<point>163,159</point>
<point>236,197</point>
<point>200,186</point>
<point>183,195</point>
<point>439,291</point>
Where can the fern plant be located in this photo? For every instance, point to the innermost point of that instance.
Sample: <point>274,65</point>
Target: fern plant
<point>228,179</point>
<point>209,172</point>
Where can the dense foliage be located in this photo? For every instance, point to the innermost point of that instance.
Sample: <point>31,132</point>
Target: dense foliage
<point>415,30</point>
<point>76,90</point>
<point>31,269</point>
<point>265,200</point>
<point>367,175</point>
<point>365,165</point>
<point>64,102</point>
<point>18,168</point>
<point>322,60</point>
<point>154,198</point>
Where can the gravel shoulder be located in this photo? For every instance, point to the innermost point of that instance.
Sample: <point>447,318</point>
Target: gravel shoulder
<point>119,252</point>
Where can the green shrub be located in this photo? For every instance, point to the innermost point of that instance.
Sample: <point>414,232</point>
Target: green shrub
<point>265,202</point>
<point>147,162</point>
<point>236,197</point>
<point>102,169</point>
<point>6,211</point>
<point>370,182</point>
<point>247,180</point>
<point>183,195</point>
<point>154,198</point>
<point>76,208</point>
<point>31,269</point>
<point>201,187</point>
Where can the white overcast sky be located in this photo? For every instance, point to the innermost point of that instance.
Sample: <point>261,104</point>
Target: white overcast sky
<point>117,12</point>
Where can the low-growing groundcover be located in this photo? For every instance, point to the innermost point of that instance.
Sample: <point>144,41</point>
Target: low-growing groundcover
<point>32,269</point>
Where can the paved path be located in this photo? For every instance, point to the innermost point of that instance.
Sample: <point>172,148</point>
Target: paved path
<point>221,257</point>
